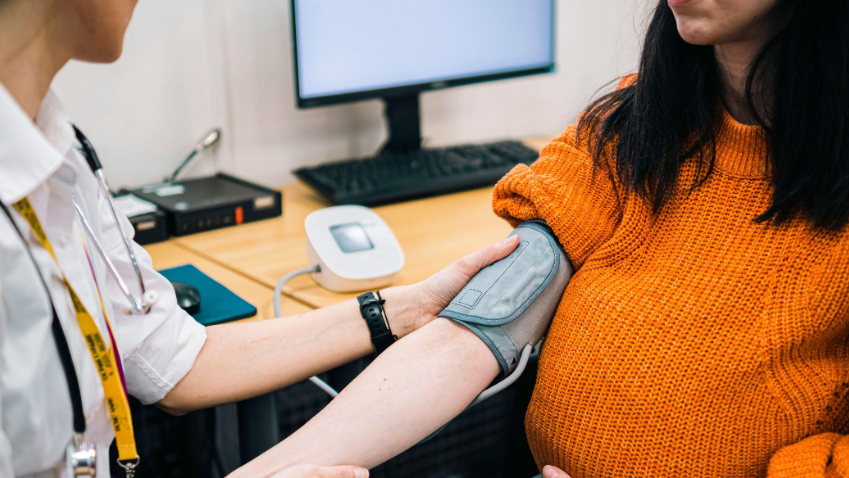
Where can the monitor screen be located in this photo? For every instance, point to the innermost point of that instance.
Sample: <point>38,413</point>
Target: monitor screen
<point>351,237</point>
<point>354,46</point>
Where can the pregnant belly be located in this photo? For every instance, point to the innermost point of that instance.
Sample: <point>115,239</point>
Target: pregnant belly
<point>642,390</point>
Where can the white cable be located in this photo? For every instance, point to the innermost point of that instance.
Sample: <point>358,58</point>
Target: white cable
<point>498,387</point>
<point>283,280</point>
<point>278,312</point>
<point>324,386</point>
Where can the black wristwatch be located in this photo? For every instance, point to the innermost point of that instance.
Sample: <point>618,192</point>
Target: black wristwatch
<point>371,308</point>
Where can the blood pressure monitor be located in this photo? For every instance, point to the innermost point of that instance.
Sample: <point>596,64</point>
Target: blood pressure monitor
<point>354,249</point>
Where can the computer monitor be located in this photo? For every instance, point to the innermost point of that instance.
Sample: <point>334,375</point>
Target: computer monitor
<point>352,50</point>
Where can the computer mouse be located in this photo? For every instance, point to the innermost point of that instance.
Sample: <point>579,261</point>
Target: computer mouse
<point>188,297</point>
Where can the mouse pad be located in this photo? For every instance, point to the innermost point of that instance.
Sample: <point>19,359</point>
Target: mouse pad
<point>217,303</point>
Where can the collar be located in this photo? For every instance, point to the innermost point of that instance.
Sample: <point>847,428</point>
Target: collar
<point>30,152</point>
<point>742,150</point>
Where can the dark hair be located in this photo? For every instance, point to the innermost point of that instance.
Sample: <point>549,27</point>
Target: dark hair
<point>671,112</point>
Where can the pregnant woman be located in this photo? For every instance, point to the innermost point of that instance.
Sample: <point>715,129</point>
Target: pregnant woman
<point>705,332</point>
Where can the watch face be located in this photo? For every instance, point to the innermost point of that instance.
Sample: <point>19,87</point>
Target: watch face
<point>351,237</point>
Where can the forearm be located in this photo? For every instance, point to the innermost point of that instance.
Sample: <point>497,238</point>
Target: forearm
<point>240,361</point>
<point>411,390</point>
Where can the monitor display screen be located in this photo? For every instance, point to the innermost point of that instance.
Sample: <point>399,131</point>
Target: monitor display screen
<point>350,46</point>
<point>351,237</point>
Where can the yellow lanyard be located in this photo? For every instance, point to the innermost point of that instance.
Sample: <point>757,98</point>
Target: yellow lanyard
<point>103,357</point>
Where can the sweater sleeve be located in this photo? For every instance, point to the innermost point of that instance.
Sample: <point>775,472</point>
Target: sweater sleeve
<point>819,456</point>
<point>578,202</point>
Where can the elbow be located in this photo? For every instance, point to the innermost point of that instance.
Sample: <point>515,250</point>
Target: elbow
<point>173,404</point>
<point>175,412</point>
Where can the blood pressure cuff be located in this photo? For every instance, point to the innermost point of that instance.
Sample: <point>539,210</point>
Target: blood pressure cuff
<point>510,303</point>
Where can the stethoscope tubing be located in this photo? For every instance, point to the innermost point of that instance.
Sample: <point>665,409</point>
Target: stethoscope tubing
<point>137,306</point>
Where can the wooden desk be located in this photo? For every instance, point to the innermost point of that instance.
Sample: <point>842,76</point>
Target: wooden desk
<point>433,233</point>
<point>169,254</point>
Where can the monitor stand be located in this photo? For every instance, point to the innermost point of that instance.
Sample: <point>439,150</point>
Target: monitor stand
<point>402,117</point>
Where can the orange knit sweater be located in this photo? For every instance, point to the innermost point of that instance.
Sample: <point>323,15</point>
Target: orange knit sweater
<point>693,342</point>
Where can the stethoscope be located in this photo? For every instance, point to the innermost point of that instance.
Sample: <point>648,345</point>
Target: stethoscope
<point>138,306</point>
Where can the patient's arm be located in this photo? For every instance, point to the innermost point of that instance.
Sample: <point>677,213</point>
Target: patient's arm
<point>424,381</point>
<point>387,409</point>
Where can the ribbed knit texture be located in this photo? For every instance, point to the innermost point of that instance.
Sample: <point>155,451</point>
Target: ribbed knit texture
<point>693,342</point>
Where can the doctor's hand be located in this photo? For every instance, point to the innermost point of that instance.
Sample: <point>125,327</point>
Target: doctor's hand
<point>411,307</point>
<point>313,471</point>
<point>553,472</point>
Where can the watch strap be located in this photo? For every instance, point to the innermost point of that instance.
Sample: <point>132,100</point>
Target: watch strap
<point>371,309</point>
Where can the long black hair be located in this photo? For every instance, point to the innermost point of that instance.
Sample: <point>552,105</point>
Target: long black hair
<point>797,89</point>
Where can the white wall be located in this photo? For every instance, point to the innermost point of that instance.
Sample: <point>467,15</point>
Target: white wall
<point>191,65</point>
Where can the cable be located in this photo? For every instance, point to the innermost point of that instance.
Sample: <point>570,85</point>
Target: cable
<point>278,290</point>
<point>324,386</point>
<point>500,386</point>
<point>283,280</point>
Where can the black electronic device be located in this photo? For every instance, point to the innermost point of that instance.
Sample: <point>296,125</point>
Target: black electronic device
<point>150,228</point>
<point>188,297</point>
<point>203,204</point>
<point>426,172</point>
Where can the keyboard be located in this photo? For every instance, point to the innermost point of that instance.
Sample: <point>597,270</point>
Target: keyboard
<point>395,177</point>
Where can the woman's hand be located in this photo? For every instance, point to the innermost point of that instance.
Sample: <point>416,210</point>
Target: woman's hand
<point>411,307</point>
<point>313,471</point>
<point>553,472</point>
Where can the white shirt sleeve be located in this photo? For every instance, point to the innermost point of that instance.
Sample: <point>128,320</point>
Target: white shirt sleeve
<point>159,348</point>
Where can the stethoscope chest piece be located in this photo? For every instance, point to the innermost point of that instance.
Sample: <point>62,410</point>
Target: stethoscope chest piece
<point>81,459</point>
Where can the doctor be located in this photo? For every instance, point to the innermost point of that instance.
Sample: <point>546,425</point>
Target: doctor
<point>72,341</point>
